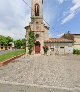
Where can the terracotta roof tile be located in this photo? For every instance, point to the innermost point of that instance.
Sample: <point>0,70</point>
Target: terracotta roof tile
<point>55,40</point>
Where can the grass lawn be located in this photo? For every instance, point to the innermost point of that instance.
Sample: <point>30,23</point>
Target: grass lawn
<point>10,55</point>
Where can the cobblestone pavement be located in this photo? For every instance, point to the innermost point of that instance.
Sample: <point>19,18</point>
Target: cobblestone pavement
<point>57,71</point>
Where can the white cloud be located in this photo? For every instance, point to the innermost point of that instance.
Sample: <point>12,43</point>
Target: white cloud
<point>14,16</point>
<point>61,1</point>
<point>15,32</point>
<point>2,25</point>
<point>60,34</point>
<point>72,11</point>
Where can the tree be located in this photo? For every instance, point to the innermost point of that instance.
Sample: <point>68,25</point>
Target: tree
<point>24,43</point>
<point>18,44</point>
<point>31,41</point>
<point>9,39</point>
<point>5,40</point>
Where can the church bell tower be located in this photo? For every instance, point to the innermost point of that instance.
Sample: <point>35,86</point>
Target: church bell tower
<point>37,26</point>
<point>37,10</point>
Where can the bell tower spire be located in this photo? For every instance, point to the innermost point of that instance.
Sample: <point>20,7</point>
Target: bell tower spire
<point>37,9</point>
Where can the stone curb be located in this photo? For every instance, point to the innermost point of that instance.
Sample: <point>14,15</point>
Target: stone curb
<point>9,60</point>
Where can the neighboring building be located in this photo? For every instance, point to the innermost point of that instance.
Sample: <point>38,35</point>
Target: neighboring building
<point>2,47</point>
<point>75,38</point>
<point>59,46</point>
<point>77,41</point>
<point>68,36</point>
<point>9,47</point>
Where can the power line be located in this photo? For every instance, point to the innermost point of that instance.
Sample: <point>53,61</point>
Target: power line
<point>27,4</point>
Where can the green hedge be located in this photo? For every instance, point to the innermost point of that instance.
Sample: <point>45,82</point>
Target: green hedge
<point>76,51</point>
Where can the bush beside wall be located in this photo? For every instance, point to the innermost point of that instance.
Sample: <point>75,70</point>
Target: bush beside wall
<point>76,51</point>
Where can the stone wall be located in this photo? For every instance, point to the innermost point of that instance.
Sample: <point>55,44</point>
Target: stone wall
<point>77,42</point>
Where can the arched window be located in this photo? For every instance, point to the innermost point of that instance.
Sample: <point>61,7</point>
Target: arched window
<point>36,10</point>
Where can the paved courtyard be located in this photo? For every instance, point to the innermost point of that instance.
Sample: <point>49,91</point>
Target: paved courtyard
<point>53,71</point>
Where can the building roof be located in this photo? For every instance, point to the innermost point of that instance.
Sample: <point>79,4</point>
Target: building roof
<point>59,40</point>
<point>46,27</point>
<point>68,36</point>
<point>76,34</point>
<point>27,27</point>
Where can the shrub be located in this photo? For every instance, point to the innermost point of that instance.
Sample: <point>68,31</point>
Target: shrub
<point>45,49</point>
<point>76,51</point>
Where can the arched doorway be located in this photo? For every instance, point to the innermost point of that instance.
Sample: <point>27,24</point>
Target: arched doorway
<point>37,47</point>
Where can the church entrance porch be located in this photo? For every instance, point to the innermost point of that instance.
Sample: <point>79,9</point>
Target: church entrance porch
<point>37,47</point>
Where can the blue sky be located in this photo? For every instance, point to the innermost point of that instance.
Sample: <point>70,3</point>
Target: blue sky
<point>62,15</point>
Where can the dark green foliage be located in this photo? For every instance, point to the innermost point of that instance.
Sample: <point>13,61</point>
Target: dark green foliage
<point>5,40</point>
<point>76,51</point>
<point>24,43</point>
<point>31,41</point>
<point>20,44</point>
<point>45,49</point>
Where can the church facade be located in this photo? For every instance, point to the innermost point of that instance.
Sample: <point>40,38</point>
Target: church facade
<point>57,46</point>
<point>37,26</point>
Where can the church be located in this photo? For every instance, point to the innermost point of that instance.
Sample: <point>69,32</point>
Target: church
<point>60,45</point>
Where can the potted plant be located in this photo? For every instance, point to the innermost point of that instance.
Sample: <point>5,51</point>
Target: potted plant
<point>45,48</point>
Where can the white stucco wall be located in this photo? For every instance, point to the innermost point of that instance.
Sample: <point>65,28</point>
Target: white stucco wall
<point>61,48</point>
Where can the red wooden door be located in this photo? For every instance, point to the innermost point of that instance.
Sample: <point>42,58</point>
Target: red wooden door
<point>37,49</point>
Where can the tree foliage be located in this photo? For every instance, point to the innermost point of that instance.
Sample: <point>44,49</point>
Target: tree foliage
<point>76,51</point>
<point>24,43</point>
<point>31,41</point>
<point>5,40</point>
<point>20,44</point>
<point>45,48</point>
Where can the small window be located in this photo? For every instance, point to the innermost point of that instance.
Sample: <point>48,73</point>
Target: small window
<point>52,49</point>
<point>9,47</point>
<point>9,44</point>
<point>62,47</point>
<point>37,35</point>
<point>37,22</point>
<point>1,44</point>
<point>1,47</point>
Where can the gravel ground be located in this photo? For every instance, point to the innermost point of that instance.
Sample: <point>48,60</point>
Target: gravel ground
<point>57,71</point>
